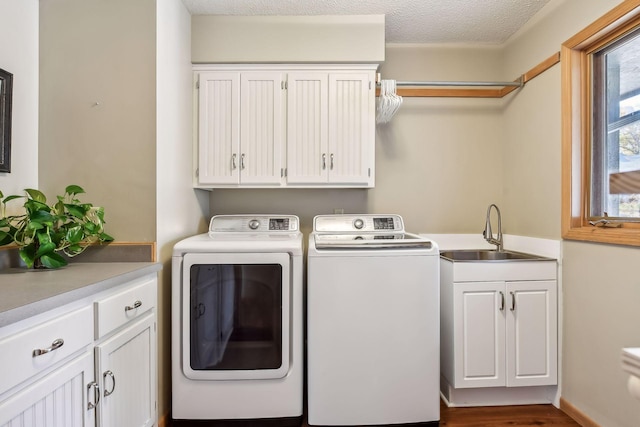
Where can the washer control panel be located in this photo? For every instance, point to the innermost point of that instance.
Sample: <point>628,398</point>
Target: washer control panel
<point>358,223</point>
<point>254,223</point>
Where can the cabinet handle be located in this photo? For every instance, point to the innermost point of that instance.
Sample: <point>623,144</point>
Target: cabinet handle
<point>501,301</point>
<point>96,394</point>
<point>242,161</point>
<point>113,381</point>
<point>513,301</point>
<point>54,346</point>
<point>233,162</point>
<point>135,305</point>
<point>324,161</point>
<point>331,163</point>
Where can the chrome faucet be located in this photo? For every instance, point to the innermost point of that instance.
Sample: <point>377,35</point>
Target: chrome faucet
<point>488,234</point>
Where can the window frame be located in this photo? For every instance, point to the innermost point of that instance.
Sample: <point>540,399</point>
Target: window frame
<point>577,127</point>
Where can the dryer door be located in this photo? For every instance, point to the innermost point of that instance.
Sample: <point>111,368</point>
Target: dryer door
<point>235,315</point>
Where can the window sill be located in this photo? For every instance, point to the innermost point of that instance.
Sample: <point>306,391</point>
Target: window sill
<point>614,236</point>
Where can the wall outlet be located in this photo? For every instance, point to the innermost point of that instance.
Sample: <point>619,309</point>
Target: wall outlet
<point>338,211</point>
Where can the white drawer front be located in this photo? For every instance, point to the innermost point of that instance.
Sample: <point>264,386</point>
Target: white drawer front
<point>118,309</point>
<point>54,340</point>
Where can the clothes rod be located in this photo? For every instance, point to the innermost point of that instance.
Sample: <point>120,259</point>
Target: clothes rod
<point>517,83</point>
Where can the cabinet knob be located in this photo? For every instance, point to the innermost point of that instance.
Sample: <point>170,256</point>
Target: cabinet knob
<point>54,346</point>
<point>233,162</point>
<point>501,301</point>
<point>513,301</point>
<point>331,163</point>
<point>242,161</point>
<point>324,161</point>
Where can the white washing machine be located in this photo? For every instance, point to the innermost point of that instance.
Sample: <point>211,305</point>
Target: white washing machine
<point>237,321</point>
<point>373,335</point>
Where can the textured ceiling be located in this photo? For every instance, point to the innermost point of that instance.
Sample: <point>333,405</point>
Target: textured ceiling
<point>407,21</point>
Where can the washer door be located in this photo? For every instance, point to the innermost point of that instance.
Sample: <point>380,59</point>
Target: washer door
<point>235,316</point>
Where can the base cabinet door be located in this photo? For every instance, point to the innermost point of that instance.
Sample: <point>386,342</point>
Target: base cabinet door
<point>531,334</point>
<point>63,398</point>
<point>479,335</point>
<point>505,334</point>
<point>125,369</point>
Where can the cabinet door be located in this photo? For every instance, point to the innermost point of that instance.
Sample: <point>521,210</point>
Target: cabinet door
<point>532,333</point>
<point>351,128</point>
<point>125,369</point>
<point>59,399</point>
<point>219,128</point>
<point>307,125</point>
<point>479,334</point>
<point>261,128</point>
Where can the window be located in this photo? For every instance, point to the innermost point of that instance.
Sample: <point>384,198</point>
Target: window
<point>601,129</point>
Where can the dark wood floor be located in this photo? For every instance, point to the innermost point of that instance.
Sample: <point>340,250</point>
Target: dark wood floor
<point>487,416</point>
<point>502,416</point>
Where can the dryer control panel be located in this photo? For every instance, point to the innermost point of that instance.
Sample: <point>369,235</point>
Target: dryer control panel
<point>254,223</point>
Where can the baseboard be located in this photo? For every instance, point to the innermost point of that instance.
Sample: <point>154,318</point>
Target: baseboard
<point>164,421</point>
<point>576,414</point>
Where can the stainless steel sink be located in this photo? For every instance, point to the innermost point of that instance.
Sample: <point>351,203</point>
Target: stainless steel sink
<point>483,255</point>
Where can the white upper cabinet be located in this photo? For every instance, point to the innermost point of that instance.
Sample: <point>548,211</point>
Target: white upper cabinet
<point>219,128</point>
<point>261,127</point>
<point>285,125</point>
<point>330,128</point>
<point>240,128</point>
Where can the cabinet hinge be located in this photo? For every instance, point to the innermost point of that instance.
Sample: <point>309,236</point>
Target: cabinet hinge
<point>369,84</point>
<point>369,172</point>
<point>197,172</point>
<point>198,84</point>
<point>285,172</point>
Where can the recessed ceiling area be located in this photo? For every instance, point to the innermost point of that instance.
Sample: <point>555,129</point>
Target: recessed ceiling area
<point>489,22</point>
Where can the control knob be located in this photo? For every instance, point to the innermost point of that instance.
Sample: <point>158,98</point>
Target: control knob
<point>254,224</point>
<point>358,223</point>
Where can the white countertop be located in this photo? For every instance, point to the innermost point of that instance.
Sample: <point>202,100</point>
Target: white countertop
<point>26,292</point>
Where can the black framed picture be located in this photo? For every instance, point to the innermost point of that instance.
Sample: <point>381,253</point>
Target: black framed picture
<point>6,92</point>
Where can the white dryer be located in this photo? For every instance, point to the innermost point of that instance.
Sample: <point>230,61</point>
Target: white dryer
<point>237,321</point>
<point>373,336</point>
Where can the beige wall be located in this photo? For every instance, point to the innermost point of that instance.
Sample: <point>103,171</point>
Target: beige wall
<point>345,38</point>
<point>438,163</point>
<point>601,292</point>
<point>97,108</point>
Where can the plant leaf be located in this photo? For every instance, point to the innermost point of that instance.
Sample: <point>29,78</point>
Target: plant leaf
<point>36,195</point>
<point>5,238</point>
<point>27,253</point>
<point>74,189</point>
<point>76,210</point>
<point>104,237</point>
<point>53,260</point>
<point>9,198</point>
<point>74,234</point>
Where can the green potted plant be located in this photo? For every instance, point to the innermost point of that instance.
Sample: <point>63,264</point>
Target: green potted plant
<point>42,231</point>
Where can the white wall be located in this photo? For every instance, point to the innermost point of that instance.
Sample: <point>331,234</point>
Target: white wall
<point>181,210</point>
<point>19,56</point>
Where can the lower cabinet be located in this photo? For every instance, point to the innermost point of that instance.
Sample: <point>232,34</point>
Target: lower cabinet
<point>504,334</point>
<point>126,363</point>
<point>59,399</point>
<point>70,380</point>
